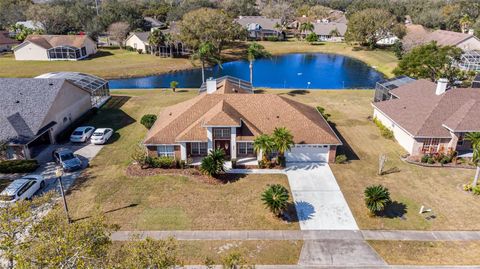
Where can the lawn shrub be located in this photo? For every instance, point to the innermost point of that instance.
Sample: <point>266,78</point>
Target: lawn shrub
<point>130,48</point>
<point>377,197</point>
<point>476,190</point>
<point>312,37</point>
<point>148,120</point>
<point>161,162</point>
<point>384,131</point>
<point>341,159</point>
<point>325,115</point>
<point>18,166</point>
<point>467,187</point>
<point>425,158</point>
<point>430,160</point>
<point>272,38</point>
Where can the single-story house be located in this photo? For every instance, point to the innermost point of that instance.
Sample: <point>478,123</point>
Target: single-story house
<point>261,28</point>
<point>415,36</point>
<point>228,115</point>
<point>428,117</point>
<point>138,41</point>
<point>55,47</point>
<point>34,111</point>
<point>330,31</point>
<point>7,43</point>
<point>153,23</point>
<point>448,38</point>
<point>34,25</point>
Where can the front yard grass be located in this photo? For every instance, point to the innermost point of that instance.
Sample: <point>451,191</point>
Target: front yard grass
<point>163,202</point>
<point>263,252</point>
<point>428,253</point>
<point>411,187</point>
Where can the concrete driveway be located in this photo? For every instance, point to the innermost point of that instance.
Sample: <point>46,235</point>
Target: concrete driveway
<point>318,199</point>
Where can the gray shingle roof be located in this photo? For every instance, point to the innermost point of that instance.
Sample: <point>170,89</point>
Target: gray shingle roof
<point>264,22</point>
<point>24,105</point>
<point>322,28</point>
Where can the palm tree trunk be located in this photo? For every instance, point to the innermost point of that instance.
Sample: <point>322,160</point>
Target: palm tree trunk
<point>477,175</point>
<point>251,72</point>
<point>203,71</point>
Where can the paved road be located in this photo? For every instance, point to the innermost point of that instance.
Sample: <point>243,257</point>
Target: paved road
<point>318,199</point>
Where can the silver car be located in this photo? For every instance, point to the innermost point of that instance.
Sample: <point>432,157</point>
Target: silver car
<point>68,160</point>
<point>22,189</point>
<point>82,134</point>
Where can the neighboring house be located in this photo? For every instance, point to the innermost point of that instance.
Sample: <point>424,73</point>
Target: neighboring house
<point>55,47</point>
<point>330,31</point>
<point>426,117</point>
<point>34,25</point>
<point>415,36</point>
<point>448,38</point>
<point>138,41</point>
<point>153,23</point>
<point>261,28</point>
<point>97,87</point>
<point>34,111</point>
<point>6,43</point>
<point>227,115</point>
<point>388,41</point>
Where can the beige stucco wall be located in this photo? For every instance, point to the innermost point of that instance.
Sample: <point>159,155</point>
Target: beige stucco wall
<point>91,46</point>
<point>70,104</point>
<point>401,136</point>
<point>32,52</point>
<point>136,43</point>
<point>470,44</point>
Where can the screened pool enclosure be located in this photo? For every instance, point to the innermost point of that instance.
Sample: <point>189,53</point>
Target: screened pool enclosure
<point>66,53</point>
<point>98,87</point>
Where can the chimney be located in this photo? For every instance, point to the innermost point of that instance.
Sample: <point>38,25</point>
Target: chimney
<point>441,86</point>
<point>211,85</point>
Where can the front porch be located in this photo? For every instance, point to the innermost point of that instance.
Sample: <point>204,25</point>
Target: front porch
<point>241,162</point>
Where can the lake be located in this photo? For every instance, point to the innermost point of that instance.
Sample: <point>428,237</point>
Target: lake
<point>298,71</point>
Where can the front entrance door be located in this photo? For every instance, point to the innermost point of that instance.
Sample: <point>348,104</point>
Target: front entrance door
<point>223,144</point>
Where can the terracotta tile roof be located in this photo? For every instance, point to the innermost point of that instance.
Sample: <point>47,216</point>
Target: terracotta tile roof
<point>422,113</point>
<point>50,41</point>
<point>6,40</point>
<point>447,38</point>
<point>259,113</point>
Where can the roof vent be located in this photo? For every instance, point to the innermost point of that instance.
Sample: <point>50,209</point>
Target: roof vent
<point>442,85</point>
<point>17,102</point>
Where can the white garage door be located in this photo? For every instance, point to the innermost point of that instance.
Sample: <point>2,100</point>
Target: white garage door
<point>308,153</point>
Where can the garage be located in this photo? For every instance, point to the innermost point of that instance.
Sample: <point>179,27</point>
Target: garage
<point>308,153</point>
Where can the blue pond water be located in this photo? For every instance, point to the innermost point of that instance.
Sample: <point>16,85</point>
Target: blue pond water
<point>300,71</point>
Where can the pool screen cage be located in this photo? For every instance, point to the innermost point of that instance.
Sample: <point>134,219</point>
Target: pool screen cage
<point>66,53</point>
<point>98,87</point>
<point>470,60</point>
<point>383,88</point>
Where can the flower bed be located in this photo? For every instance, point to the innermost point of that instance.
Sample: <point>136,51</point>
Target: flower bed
<point>417,160</point>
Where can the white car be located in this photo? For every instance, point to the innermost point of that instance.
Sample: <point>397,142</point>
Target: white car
<point>22,189</point>
<point>101,136</point>
<point>82,134</point>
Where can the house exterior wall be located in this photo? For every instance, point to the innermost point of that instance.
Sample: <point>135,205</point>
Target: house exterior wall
<point>401,136</point>
<point>332,153</point>
<point>470,44</point>
<point>31,52</point>
<point>135,42</point>
<point>70,104</point>
<point>90,46</point>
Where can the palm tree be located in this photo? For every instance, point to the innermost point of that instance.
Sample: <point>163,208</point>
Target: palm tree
<point>306,27</point>
<point>155,39</point>
<point>212,165</point>
<point>255,51</point>
<point>475,139</point>
<point>465,23</point>
<point>276,198</point>
<point>206,53</point>
<point>283,140</point>
<point>173,85</point>
<point>376,198</point>
<point>169,42</point>
<point>264,144</point>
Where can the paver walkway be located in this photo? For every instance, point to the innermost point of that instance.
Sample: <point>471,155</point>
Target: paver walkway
<point>318,199</point>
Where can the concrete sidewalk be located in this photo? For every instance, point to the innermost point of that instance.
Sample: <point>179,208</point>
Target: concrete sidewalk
<point>352,235</point>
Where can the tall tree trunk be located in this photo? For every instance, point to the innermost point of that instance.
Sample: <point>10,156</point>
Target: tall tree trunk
<point>251,72</point>
<point>203,71</point>
<point>475,179</point>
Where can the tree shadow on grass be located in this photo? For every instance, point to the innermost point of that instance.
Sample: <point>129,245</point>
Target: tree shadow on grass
<point>393,210</point>
<point>229,177</point>
<point>298,92</point>
<point>108,211</point>
<point>99,54</point>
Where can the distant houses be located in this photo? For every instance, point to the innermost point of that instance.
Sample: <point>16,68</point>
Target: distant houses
<point>55,48</point>
<point>262,28</point>
<point>330,31</point>
<point>138,41</point>
<point>6,43</point>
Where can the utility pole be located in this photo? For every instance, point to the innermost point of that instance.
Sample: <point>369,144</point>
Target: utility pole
<point>59,174</point>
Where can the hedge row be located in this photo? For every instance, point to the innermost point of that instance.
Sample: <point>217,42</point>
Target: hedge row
<point>18,166</point>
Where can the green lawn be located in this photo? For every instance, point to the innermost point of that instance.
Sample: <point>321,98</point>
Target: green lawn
<point>428,253</point>
<point>437,188</point>
<point>116,63</point>
<point>163,202</point>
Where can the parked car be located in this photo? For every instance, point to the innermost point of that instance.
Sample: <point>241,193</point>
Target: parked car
<point>66,158</point>
<point>22,189</point>
<point>101,136</point>
<point>82,134</point>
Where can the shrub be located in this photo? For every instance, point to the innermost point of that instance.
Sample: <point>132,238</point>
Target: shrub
<point>233,260</point>
<point>430,160</point>
<point>18,166</point>
<point>321,110</point>
<point>282,161</point>
<point>312,37</point>
<point>161,162</point>
<point>129,48</point>
<point>467,187</point>
<point>341,159</point>
<point>139,155</point>
<point>273,38</point>
<point>376,198</point>
<point>384,131</point>
<point>476,190</point>
<point>212,165</point>
<point>425,158</point>
<point>148,120</point>
<point>276,198</point>
<point>173,85</point>
<point>445,160</point>
<point>139,51</point>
